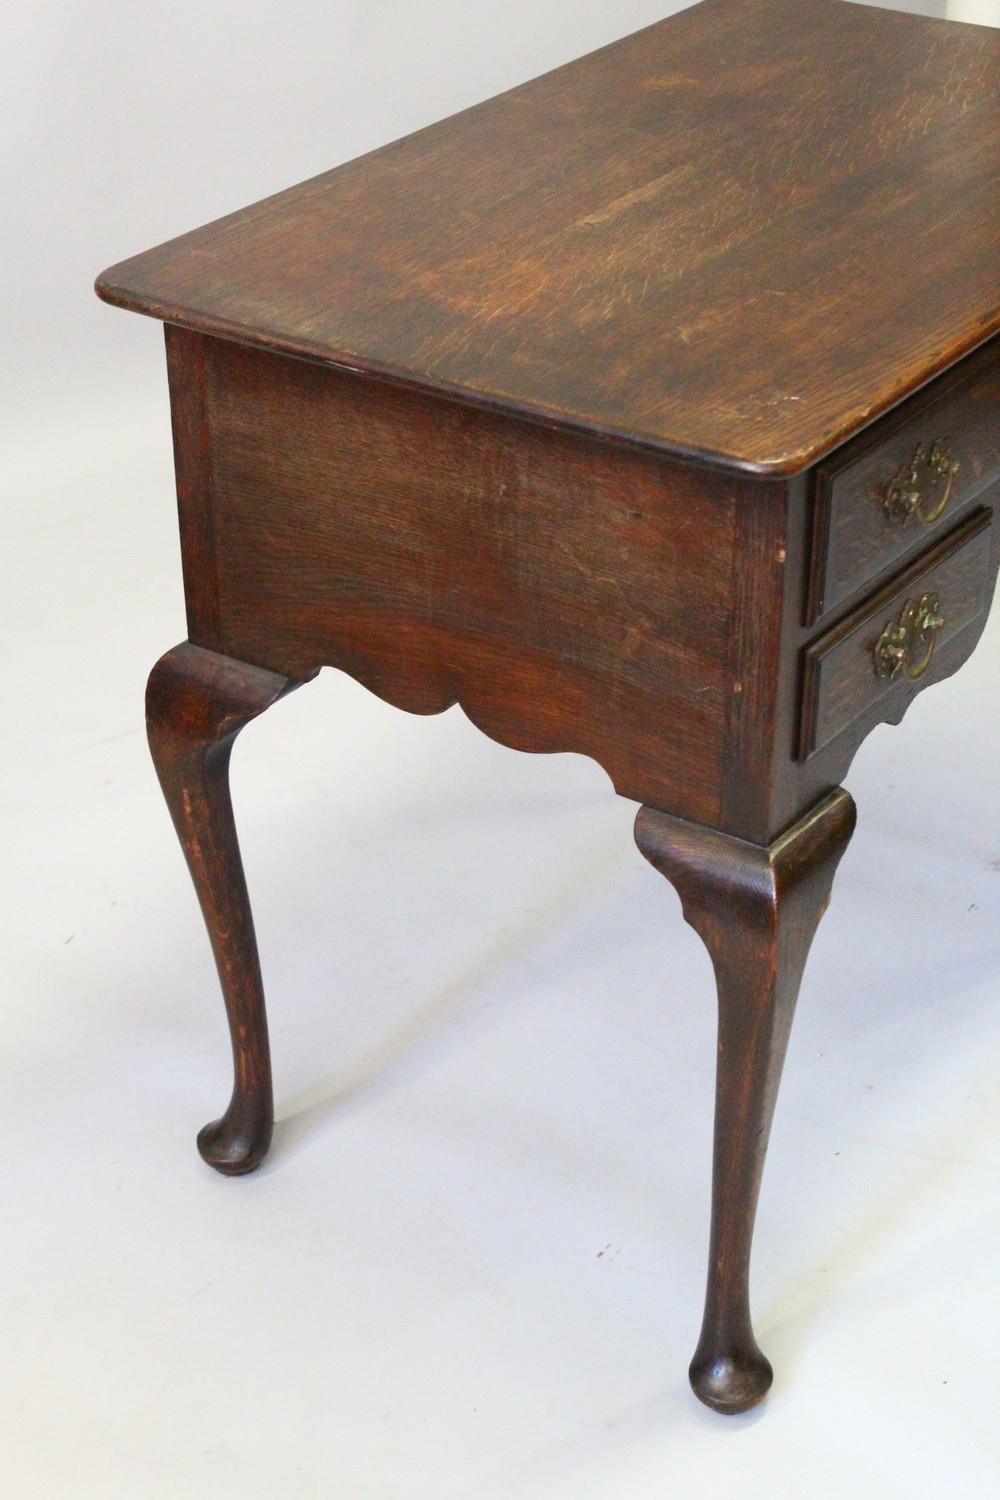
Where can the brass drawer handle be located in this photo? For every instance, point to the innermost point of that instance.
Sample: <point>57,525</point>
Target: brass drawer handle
<point>922,488</point>
<point>906,645</point>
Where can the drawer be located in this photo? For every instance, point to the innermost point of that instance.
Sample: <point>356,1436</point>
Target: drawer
<point>884,496</point>
<point>869,665</point>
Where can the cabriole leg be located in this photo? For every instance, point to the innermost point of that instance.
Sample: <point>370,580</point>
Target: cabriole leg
<point>196,704</point>
<point>757,910</point>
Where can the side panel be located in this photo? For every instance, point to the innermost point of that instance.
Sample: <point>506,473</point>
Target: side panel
<point>570,594</point>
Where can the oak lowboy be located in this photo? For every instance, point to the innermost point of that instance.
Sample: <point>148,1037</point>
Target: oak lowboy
<point>650,411</point>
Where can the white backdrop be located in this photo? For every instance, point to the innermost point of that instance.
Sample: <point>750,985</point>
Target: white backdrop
<point>124,125</point>
<point>981,12</point>
<point>473,1266</point>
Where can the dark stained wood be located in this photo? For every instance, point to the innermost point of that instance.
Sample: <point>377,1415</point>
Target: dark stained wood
<point>841,684</point>
<point>796,783</point>
<point>196,705</point>
<point>539,410</point>
<point>742,234</point>
<point>760,570</point>
<point>856,541</point>
<point>193,471</point>
<point>571,595</point>
<point>756,910</point>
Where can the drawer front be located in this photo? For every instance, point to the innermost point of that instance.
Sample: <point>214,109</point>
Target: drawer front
<point>872,663</point>
<point>884,496</point>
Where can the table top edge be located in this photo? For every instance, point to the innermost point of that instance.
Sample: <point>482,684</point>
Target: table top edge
<point>764,466</point>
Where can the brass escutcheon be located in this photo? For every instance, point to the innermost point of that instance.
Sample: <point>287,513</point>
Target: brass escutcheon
<point>922,488</point>
<point>906,645</point>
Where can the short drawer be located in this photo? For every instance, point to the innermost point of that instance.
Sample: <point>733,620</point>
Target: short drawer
<point>885,495</point>
<point>882,653</point>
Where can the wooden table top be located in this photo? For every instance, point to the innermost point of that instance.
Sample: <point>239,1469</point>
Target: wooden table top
<point>737,235</point>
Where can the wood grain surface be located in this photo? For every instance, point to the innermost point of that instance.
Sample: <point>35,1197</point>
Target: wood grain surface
<point>757,910</point>
<point>855,540</point>
<point>526,412</point>
<point>570,594</point>
<point>738,235</point>
<point>196,705</point>
<point>840,680</point>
